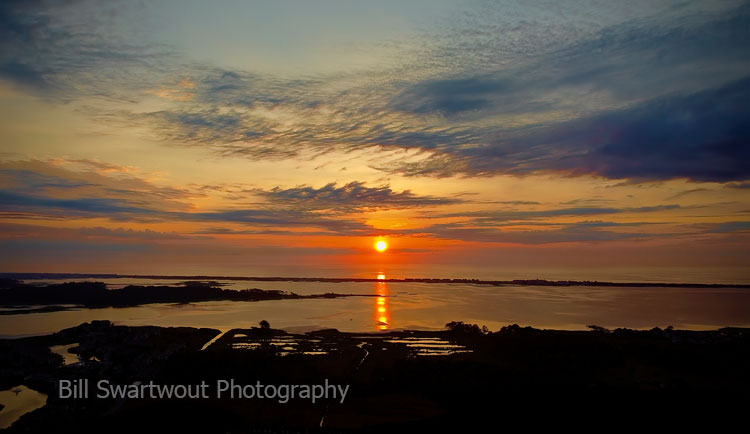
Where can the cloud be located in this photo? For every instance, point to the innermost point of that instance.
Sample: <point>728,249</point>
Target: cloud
<point>123,210</point>
<point>26,231</point>
<point>655,99</point>
<point>351,196</point>
<point>615,62</point>
<point>31,250</point>
<point>589,201</point>
<point>227,132</point>
<point>100,190</point>
<point>83,187</point>
<point>452,96</point>
<point>517,202</point>
<point>685,193</point>
<point>643,93</point>
<point>279,218</point>
<point>24,75</point>
<point>586,231</point>
<point>541,227</point>
<point>127,210</point>
<point>483,231</point>
<point>228,231</point>
<point>700,137</point>
<point>64,50</point>
<point>80,207</point>
<point>500,216</point>
<point>736,226</point>
<point>33,181</point>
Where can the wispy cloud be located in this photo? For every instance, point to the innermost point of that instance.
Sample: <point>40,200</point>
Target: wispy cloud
<point>644,93</point>
<point>84,187</point>
<point>562,233</point>
<point>685,193</point>
<point>736,226</point>
<point>501,216</point>
<point>352,196</point>
<point>13,230</point>
<point>63,51</point>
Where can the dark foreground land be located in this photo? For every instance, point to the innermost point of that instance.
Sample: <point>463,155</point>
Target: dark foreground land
<point>458,380</point>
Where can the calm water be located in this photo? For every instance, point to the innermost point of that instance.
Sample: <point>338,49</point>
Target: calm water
<point>17,402</point>
<point>422,306</point>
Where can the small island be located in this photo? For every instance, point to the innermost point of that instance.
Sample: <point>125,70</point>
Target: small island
<point>25,298</point>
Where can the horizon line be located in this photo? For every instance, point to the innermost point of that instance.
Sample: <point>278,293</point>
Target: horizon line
<point>527,282</point>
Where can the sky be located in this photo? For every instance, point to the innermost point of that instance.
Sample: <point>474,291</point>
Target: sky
<point>493,139</point>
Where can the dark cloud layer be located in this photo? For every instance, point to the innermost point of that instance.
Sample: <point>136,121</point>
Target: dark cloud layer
<point>703,137</point>
<point>352,196</point>
<point>452,96</point>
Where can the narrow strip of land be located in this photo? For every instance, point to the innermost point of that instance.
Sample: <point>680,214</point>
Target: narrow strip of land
<point>24,298</point>
<point>525,282</point>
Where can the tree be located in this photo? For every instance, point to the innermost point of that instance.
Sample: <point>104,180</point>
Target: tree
<point>264,324</point>
<point>461,327</point>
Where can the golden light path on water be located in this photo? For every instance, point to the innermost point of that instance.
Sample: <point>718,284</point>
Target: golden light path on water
<point>396,305</point>
<point>382,314</point>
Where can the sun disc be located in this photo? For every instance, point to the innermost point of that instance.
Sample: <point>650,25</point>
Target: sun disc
<point>381,246</point>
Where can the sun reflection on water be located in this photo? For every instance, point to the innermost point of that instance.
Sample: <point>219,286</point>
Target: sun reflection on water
<point>381,313</point>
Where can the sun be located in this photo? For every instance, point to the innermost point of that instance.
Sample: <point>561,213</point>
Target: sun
<point>381,246</point>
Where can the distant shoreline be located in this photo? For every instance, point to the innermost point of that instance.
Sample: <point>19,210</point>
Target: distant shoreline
<point>526,282</point>
<point>23,298</point>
